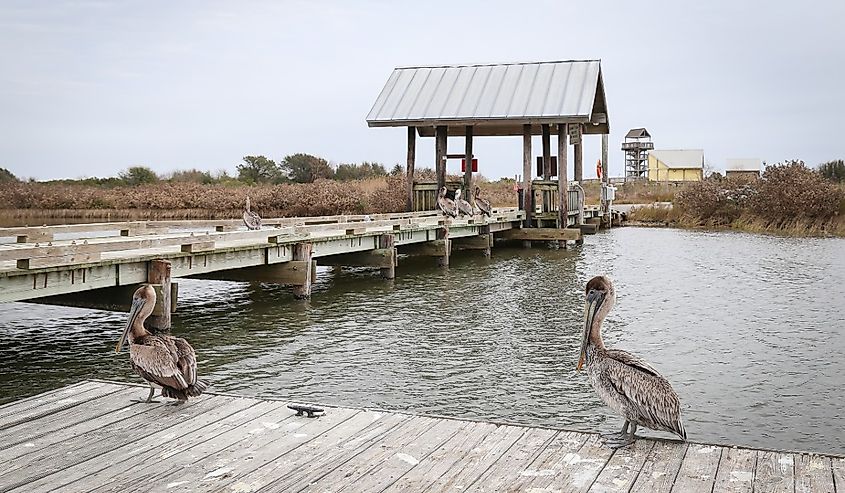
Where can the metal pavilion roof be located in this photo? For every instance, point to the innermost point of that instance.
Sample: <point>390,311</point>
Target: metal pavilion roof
<point>497,99</point>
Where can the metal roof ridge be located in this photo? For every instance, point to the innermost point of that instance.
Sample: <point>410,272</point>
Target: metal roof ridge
<point>462,65</point>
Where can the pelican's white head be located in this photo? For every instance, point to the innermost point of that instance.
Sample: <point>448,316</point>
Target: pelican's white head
<point>600,297</point>
<point>143,303</point>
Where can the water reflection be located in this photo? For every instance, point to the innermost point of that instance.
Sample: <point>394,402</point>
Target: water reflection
<point>735,321</point>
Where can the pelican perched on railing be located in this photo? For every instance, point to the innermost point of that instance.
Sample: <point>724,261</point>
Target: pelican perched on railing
<point>482,204</point>
<point>464,207</point>
<point>161,360</point>
<point>446,204</point>
<point>627,384</point>
<point>251,219</point>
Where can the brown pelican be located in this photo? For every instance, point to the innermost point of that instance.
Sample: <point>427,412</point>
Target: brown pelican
<point>446,204</point>
<point>162,360</point>
<point>251,219</point>
<point>482,204</point>
<point>627,384</point>
<point>464,207</point>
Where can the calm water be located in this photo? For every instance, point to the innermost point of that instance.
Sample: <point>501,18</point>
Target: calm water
<point>749,329</point>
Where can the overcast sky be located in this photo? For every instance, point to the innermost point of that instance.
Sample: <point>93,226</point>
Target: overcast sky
<point>88,88</point>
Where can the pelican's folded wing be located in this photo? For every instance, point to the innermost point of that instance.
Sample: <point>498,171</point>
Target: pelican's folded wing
<point>155,362</point>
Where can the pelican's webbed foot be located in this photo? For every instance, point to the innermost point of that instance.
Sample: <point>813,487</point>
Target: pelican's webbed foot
<point>623,438</point>
<point>149,397</point>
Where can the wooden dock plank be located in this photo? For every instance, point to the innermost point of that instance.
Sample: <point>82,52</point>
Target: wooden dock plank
<point>228,464</point>
<point>39,410</point>
<point>429,469</point>
<point>42,397</point>
<point>838,465</point>
<point>660,468</point>
<point>312,462</point>
<point>551,465</point>
<point>698,470</point>
<point>624,467</point>
<point>736,470</point>
<point>813,473</point>
<point>509,466</point>
<point>395,458</point>
<point>774,472</point>
<point>479,459</point>
<point>54,467</point>
<point>181,451</point>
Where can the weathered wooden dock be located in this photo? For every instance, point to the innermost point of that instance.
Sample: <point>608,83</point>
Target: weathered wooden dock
<point>92,437</point>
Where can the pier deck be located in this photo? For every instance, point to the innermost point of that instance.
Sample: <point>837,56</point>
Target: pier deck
<point>91,437</point>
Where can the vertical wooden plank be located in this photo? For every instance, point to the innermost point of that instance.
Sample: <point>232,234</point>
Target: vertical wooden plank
<point>513,461</point>
<point>387,241</point>
<point>468,171</point>
<point>736,470</point>
<point>159,273</point>
<point>302,251</point>
<point>409,171</point>
<point>579,162</point>
<point>698,470</point>
<point>774,472</point>
<point>479,459</point>
<point>440,149</point>
<point>547,151</point>
<point>527,192</point>
<point>660,468</point>
<point>605,179</point>
<point>813,474</point>
<point>443,234</point>
<point>623,468</point>
<point>838,466</point>
<point>562,185</point>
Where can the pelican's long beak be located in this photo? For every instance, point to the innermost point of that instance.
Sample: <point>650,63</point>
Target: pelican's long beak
<point>137,304</point>
<point>594,301</point>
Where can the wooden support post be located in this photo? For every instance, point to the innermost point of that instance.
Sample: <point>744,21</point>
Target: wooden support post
<point>443,234</point>
<point>468,161</point>
<point>485,232</point>
<point>409,174</point>
<point>605,178</point>
<point>547,152</point>
<point>302,252</point>
<point>562,185</point>
<point>527,191</point>
<point>579,165</point>
<point>387,242</point>
<point>158,272</point>
<point>440,148</point>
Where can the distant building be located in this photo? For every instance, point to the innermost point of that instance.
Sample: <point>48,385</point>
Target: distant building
<point>676,165</point>
<point>636,146</point>
<point>748,168</point>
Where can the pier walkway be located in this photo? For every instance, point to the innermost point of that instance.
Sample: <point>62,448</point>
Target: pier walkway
<point>91,437</point>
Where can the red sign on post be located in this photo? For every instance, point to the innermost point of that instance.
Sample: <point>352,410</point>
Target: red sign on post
<point>474,165</point>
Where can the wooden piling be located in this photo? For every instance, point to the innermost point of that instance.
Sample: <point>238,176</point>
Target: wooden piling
<point>409,176</point>
<point>562,186</point>
<point>443,234</point>
<point>302,252</point>
<point>527,192</point>
<point>440,148</point>
<point>579,165</point>
<point>387,242</point>
<point>158,272</point>
<point>468,168</point>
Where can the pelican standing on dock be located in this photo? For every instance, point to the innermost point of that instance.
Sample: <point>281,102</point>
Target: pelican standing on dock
<point>161,360</point>
<point>482,204</point>
<point>446,204</point>
<point>251,219</point>
<point>464,207</point>
<point>627,384</point>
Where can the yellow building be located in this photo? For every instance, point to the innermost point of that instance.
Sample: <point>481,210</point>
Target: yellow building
<point>676,165</point>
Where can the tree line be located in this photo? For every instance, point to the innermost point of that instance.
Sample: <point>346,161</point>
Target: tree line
<point>294,168</point>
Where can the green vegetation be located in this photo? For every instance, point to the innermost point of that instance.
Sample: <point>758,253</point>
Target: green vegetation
<point>6,176</point>
<point>833,170</point>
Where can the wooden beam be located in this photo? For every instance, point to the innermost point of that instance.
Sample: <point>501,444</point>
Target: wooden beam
<point>386,244</point>
<point>479,242</point>
<point>468,168</point>
<point>440,149</point>
<point>542,234</point>
<point>115,298</point>
<point>562,185</point>
<point>409,171</point>
<point>302,252</point>
<point>433,248</point>
<point>547,152</point>
<point>198,246</point>
<point>527,193</point>
<point>588,228</point>
<point>34,237</point>
<point>295,272</point>
<point>158,272</point>
<point>579,168</point>
<point>380,257</point>
<point>58,260</point>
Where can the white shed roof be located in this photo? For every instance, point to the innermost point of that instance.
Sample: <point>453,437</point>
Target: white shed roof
<point>510,94</point>
<point>744,164</point>
<point>680,158</point>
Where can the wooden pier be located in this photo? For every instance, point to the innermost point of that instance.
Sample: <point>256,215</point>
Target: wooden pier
<point>91,437</point>
<point>98,265</point>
